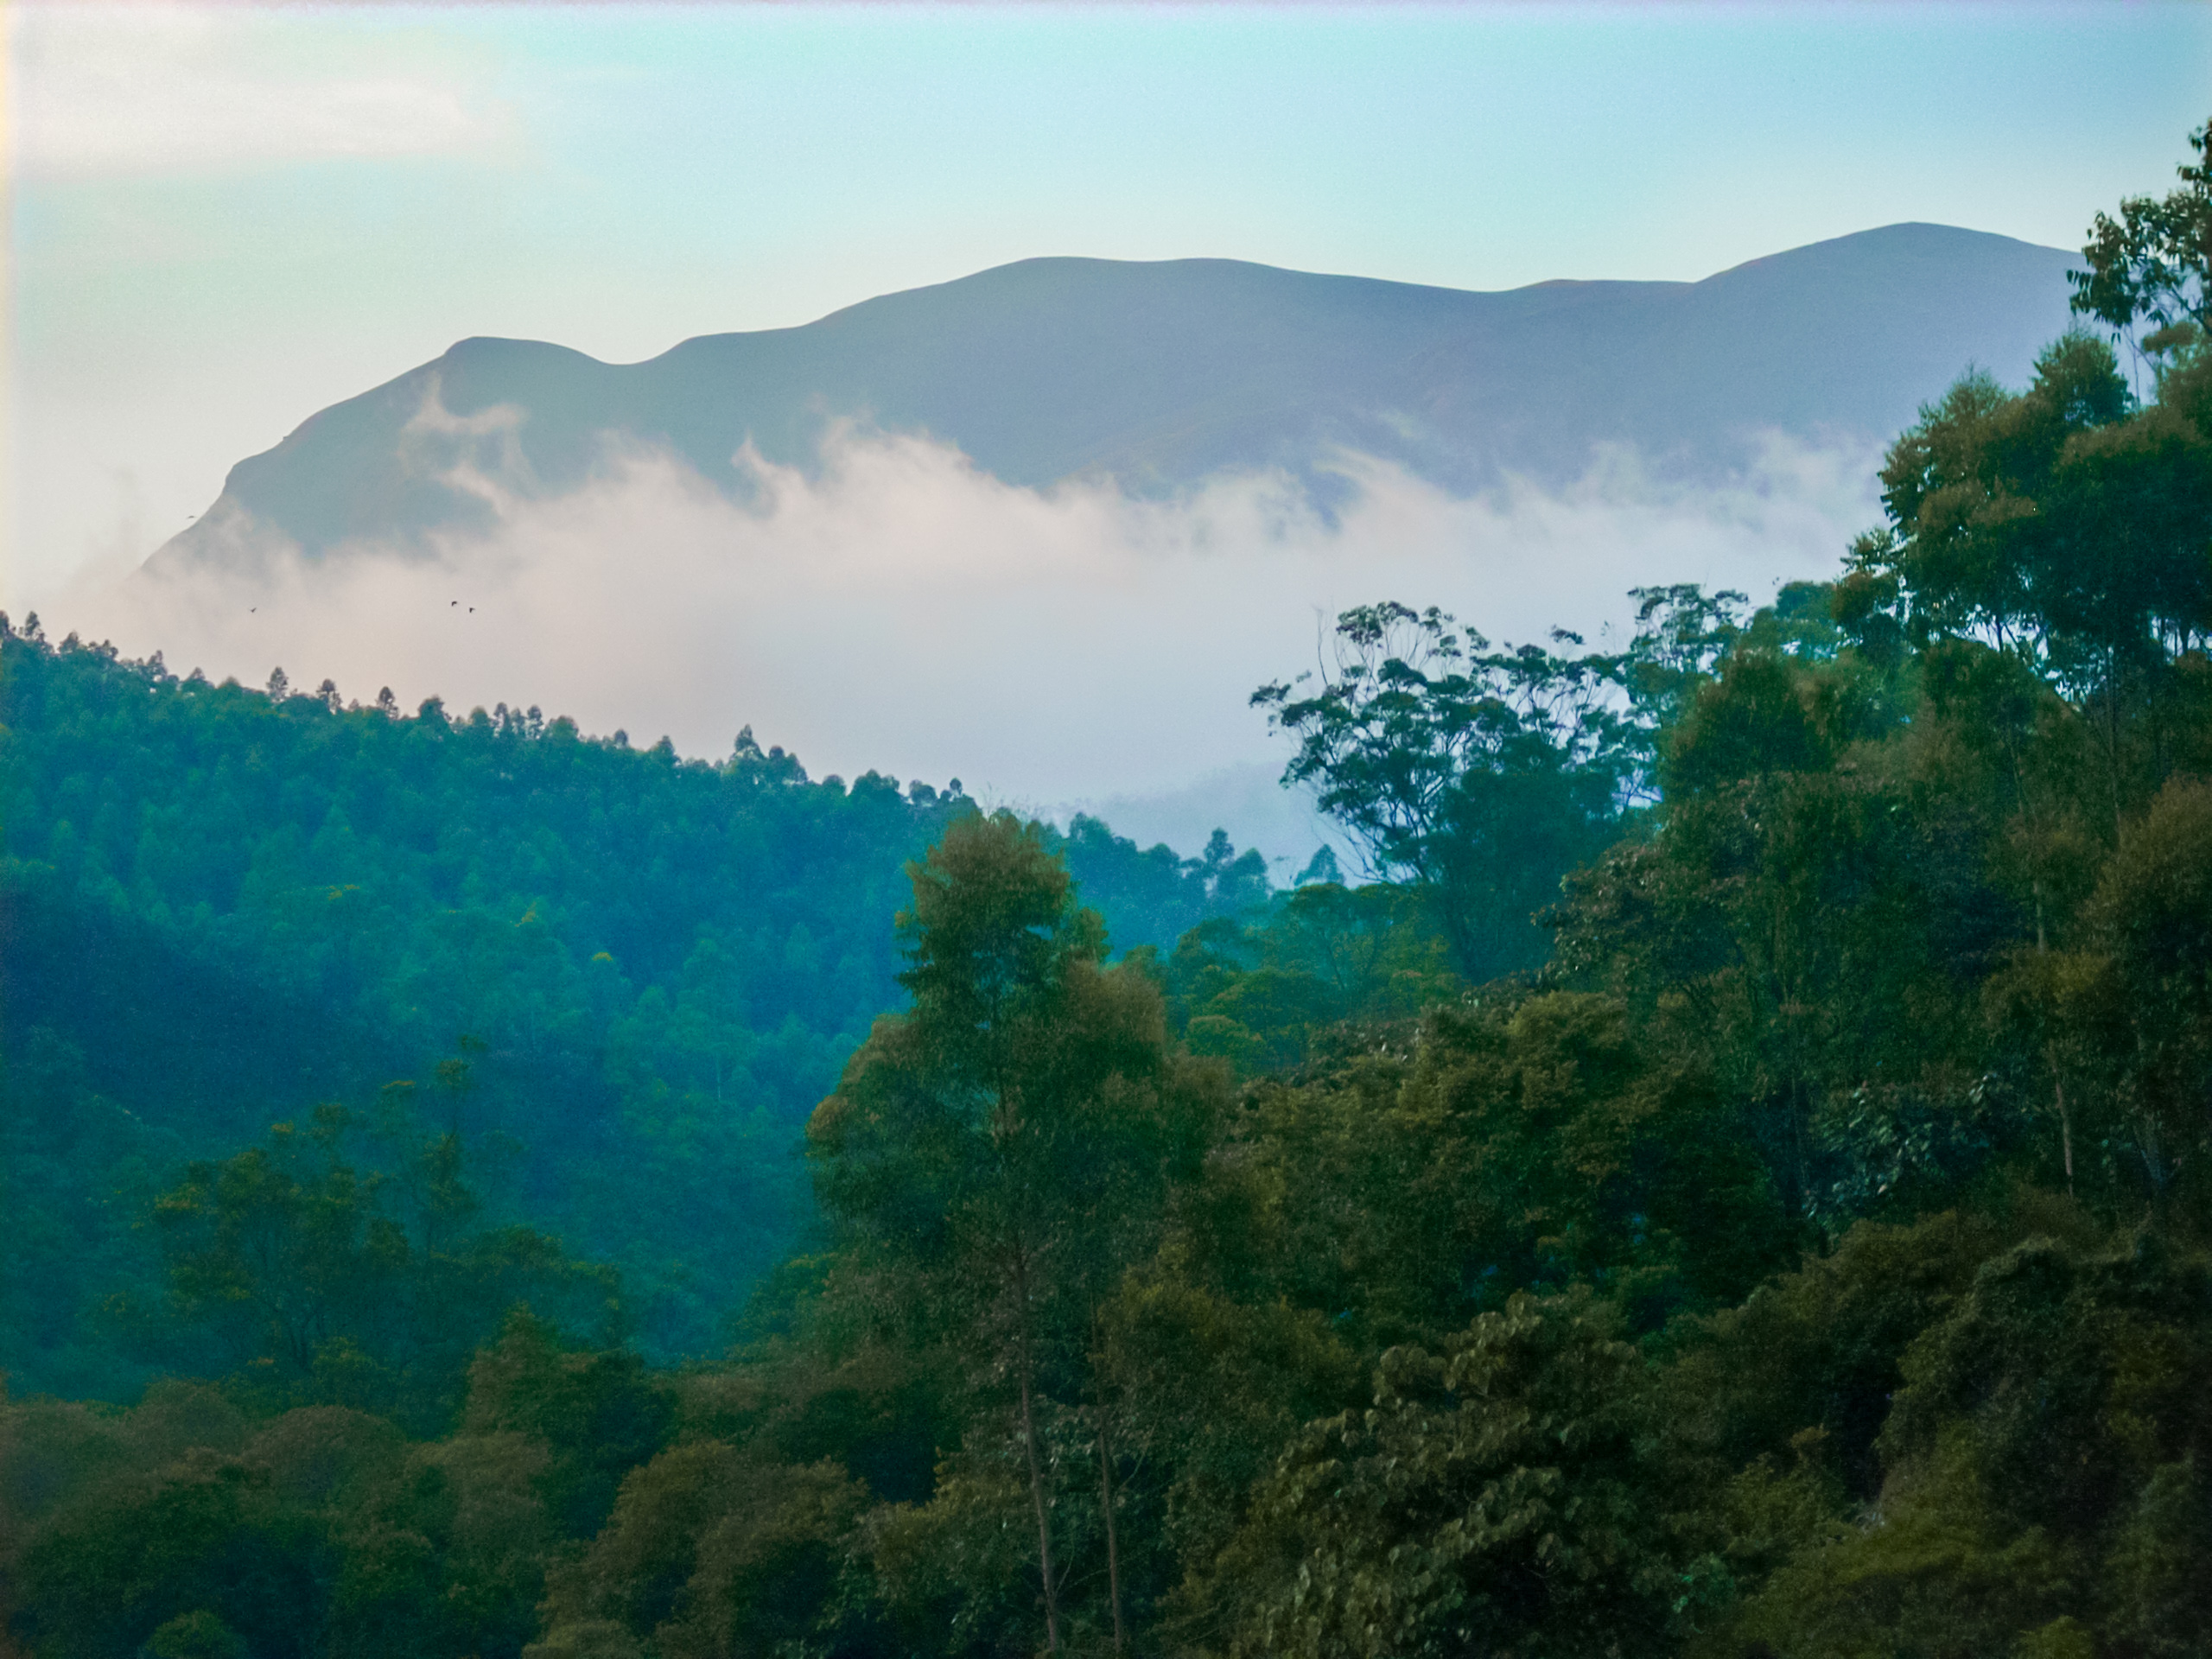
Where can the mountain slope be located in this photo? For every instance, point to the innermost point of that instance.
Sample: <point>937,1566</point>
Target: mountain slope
<point>1158,374</point>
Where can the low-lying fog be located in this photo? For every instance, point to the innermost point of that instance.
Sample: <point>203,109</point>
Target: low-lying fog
<point>904,612</point>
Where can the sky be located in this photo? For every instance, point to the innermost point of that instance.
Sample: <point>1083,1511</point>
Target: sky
<point>222,219</point>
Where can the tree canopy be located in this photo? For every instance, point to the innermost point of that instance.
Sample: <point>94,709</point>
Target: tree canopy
<point>1794,1242</point>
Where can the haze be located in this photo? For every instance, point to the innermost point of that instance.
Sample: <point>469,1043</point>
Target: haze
<point>224,219</point>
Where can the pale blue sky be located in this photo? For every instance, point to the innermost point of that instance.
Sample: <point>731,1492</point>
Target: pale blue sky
<point>224,219</point>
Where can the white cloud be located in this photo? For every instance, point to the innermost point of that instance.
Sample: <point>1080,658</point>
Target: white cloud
<point>161,89</point>
<point>904,611</point>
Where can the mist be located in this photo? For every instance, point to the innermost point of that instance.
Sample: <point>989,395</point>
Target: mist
<point>899,610</point>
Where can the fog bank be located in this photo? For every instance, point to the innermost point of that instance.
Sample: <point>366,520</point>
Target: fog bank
<point>904,612</point>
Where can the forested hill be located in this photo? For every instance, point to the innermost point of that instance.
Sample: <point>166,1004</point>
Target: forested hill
<point>1161,374</point>
<point>224,907</point>
<point>1743,1191</point>
<point>1808,1260</point>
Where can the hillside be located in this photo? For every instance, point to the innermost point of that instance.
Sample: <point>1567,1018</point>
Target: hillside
<point>1160,374</point>
<point>1805,1254</point>
<point>1738,1185</point>
<point>222,908</point>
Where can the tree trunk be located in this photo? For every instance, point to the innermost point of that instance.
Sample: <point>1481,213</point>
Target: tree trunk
<point>1113,1542</point>
<point>1029,1448</point>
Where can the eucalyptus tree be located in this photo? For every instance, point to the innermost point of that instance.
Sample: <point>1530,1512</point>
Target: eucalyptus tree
<point>1006,1141</point>
<point>1482,775</point>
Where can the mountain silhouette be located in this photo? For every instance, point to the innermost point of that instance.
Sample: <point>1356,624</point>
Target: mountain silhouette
<point>1159,375</point>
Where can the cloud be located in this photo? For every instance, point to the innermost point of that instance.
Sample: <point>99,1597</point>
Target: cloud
<point>903,611</point>
<point>163,89</point>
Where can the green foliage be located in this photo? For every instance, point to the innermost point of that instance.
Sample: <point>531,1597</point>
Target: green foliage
<point>1151,897</point>
<point>2152,263</point>
<point>1005,1148</point>
<point>1807,1256</point>
<point>708,1553</point>
<point>2039,1472</point>
<point>1259,992</point>
<point>172,1524</point>
<point>1497,1498</point>
<point>318,1530</point>
<point>311,1287</point>
<point>595,1411</point>
<point>196,1635</point>
<point>2062,525</point>
<point>1485,775</point>
<point>223,908</point>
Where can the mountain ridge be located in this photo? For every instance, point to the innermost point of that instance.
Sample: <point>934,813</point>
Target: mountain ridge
<point>1158,374</point>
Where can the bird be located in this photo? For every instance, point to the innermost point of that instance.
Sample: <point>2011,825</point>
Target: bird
<point>456,601</point>
<point>250,609</point>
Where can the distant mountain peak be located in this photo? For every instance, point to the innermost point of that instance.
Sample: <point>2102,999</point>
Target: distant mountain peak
<point>1161,373</point>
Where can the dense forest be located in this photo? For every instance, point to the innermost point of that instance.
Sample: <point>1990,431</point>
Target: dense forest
<point>1734,1184</point>
<point>618,981</point>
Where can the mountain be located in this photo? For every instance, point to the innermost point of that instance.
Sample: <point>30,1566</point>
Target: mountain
<point>1158,375</point>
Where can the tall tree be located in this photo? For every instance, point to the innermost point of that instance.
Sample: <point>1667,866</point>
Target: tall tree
<point>1003,1139</point>
<point>2151,264</point>
<point>1483,775</point>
